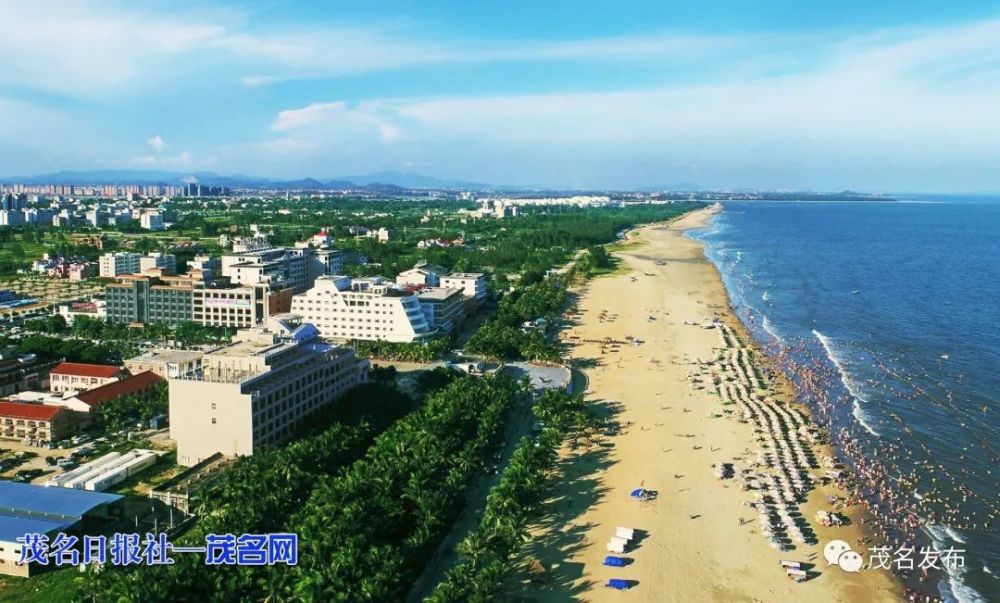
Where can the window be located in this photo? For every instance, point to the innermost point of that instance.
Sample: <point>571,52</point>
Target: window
<point>213,405</point>
<point>213,420</point>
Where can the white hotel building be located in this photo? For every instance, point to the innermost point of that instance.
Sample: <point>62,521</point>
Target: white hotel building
<point>257,391</point>
<point>369,308</point>
<point>472,284</point>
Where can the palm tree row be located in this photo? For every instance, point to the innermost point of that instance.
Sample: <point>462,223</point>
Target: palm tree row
<point>365,534</point>
<point>258,495</point>
<point>486,554</point>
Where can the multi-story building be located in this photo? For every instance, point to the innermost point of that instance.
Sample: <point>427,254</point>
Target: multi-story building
<point>74,271</point>
<point>472,284</point>
<point>151,221</point>
<point>238,307</point>
<point>96,217</point>
<point>36,216</point>
<point>444,309</point>
<point>277,266</point>
<point>370,308</point>
<point>382,235</point>
<point>167,262</point>
<point>80,377</point>
<point>257,391</point>
<point>145,299</point>
<point>422,273</point>
<point>325,262</point>
<point>177,299</point>
<point>210,267</point>
<point>20,421</point>
<point>86,403</point>
<point>25,373</point>
<point>11,217</point>
<point>122,262</point>
<point>166,363</point>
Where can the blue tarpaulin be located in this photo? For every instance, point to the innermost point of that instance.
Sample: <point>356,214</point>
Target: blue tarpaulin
<point>614,561</point>
<point>617,584</point>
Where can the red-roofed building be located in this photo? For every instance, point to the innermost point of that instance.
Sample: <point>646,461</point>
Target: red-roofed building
<point>79,377</point>
<point>36,421</point>
<point>139,384</point>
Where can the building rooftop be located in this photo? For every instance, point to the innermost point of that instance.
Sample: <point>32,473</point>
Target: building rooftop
<point>463,275</point>
<point>79,369</point>
<point>130,385</point>
<point>24,410</point>
<point>28,501</point>
<point>14,527</point>
<point>438,293</point>
<point>167,356</point>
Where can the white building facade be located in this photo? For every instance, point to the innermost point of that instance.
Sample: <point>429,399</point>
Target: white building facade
<point>257,391</point>
<point>123,262</point>
<point>370,308</point>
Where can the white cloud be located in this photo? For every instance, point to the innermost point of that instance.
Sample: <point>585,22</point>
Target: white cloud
<point>94,50</point>
<point>156,143</point>
<point>181,160</point>
<point>906,100</point>
<point>327,120</point>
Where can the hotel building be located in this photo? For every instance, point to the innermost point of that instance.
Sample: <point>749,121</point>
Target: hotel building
<point>444,309</point>
<point>472,284</point>
<point>173,300</point>
<point>257,391</point>
<point>369,308</point>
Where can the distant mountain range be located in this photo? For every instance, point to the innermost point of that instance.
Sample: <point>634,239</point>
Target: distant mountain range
<point>380,180</point>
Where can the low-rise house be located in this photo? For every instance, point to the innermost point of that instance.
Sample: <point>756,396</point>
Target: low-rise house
<point>79,377</point>
<point>39,422</point>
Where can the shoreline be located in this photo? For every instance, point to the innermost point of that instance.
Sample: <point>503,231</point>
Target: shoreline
<point>698,543</point>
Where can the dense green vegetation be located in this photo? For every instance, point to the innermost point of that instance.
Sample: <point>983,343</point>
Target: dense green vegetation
<point>503,337</point>
<point>73,350</point>
<point>95,341</point>
<point>126,411</point>
<point>85,327</point>
<point>367,533</point>
<point>415,351</point>
<point>487,552</point>
<point>364,526</point>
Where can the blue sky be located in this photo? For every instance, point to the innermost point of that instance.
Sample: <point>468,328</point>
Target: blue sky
<point>770,94</point>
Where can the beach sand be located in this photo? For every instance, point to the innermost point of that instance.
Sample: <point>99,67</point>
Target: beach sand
<point>694,547</point>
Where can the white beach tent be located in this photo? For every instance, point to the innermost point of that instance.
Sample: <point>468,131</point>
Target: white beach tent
<point>626,533</point>
<point>616,546</point>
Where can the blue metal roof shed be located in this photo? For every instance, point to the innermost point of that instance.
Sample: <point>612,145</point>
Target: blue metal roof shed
<point>12,528</point>
<point>49,504</point>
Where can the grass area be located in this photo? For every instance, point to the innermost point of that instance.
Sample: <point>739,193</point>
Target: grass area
<point>628,245</point>
<point>57,585</point>
<point>617,269</point>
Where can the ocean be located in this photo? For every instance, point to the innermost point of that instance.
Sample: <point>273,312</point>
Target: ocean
<point>887,314</point>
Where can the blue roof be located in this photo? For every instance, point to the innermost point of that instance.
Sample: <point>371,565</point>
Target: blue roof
<point>12,528</point>
<point>49,503</point>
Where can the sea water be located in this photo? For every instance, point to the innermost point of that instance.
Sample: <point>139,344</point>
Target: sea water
<point>900,302</point>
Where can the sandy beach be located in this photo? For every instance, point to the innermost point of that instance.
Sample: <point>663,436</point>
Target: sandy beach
<point>700,541</point>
